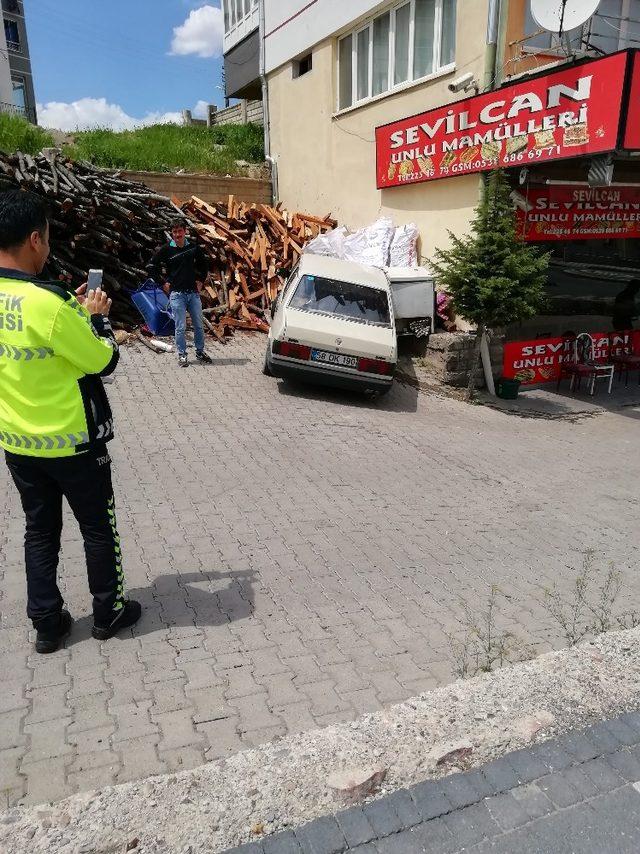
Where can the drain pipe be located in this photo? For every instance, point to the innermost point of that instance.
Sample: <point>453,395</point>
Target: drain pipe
<point>492,62</point>
<point>265,107</point>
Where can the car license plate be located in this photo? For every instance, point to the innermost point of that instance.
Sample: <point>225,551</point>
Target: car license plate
<point>334,358</point>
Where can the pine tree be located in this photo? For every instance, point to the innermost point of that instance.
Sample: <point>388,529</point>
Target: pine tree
<point>494,278</point>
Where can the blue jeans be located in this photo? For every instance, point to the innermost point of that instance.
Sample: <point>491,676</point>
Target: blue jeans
<point>181,303</point>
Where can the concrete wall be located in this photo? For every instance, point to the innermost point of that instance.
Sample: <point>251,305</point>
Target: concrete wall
<point>210,188</point>
<point>239,114</point>
<point>327,162</point>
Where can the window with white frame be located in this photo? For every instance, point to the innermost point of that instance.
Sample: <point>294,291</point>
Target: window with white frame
<point>235,11</point>
<point>408,42</point>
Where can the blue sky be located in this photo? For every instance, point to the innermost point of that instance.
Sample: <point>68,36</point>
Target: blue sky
<point>84,51</point>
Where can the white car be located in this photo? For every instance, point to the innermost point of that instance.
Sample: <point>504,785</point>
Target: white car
<point>333,323</point>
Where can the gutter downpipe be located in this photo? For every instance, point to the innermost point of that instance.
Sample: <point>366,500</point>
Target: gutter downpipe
<point>265,107</point>
<point>492,62</point>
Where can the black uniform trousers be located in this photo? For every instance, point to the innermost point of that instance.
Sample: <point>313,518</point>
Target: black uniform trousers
<point>85,481</point>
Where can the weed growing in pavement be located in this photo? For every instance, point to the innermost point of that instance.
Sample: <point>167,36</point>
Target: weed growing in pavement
<point>483,646</point>
<point>587,610</point>
<point>589,607</point>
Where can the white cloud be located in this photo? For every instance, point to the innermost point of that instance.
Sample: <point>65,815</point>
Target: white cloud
<point>98,112</point>
<point>201,110</point>
<point>201,34</point>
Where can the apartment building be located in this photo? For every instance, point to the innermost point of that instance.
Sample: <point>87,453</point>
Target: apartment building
<point>17,93</point>
<point>336,71</point>
<point>402,107</point>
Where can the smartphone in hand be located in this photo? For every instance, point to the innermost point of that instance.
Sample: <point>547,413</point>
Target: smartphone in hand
<point>95,280</point>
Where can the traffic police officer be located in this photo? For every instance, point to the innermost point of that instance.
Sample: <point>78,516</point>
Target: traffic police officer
<point>55,421</point>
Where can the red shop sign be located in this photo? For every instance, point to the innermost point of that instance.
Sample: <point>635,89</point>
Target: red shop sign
<point>539,361</point>
<point>580,213</point>
<point>632,129</point>
<point>568,113</point>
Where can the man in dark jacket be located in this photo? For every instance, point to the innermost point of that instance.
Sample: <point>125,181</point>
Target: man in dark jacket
<point>185,265</point>
<point>55,422</point>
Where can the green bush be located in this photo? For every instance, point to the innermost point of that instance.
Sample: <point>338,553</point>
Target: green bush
<point>17,134</point>
<point>162,148</point>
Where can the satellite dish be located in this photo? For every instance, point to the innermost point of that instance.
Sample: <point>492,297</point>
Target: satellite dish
<point>562,15</point>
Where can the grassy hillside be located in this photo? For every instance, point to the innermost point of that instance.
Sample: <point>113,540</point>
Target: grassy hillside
<point>17,134</point>
<point>163,148</point>
<point>159,148</point>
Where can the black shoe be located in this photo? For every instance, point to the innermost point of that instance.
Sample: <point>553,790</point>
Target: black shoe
<point>127,616</point>
<point>182,360</point>
<point>203,358</point>
<point>52,631</point>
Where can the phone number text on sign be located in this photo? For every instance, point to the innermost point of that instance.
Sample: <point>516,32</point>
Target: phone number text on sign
<point>569,113</point>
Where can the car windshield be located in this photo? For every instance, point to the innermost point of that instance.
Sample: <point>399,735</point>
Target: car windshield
<point>342,299</point>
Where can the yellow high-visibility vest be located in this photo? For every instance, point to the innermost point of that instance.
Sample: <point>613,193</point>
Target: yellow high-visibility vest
<point>52,354</point>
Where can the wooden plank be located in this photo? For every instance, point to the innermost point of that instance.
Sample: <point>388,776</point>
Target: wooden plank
<point>263,253</point>
<point>243,284</point>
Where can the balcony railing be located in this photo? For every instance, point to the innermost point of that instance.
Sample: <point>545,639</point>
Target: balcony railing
<point>14,47</point>
<point>26,112</point>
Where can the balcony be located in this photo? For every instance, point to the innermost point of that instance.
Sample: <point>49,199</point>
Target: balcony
<point>241,29</point>
<point>14,47</point>
<point>26,112</point>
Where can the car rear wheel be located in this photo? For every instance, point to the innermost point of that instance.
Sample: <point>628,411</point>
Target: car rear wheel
<point>266,367</point>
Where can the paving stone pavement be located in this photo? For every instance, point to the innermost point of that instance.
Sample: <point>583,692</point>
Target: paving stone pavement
<point>579,793</point>
<point>300,554</point>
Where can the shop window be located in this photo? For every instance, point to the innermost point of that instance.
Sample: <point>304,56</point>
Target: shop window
<point>12,34</point>
<point>302,66</point>
<point>403,45</point>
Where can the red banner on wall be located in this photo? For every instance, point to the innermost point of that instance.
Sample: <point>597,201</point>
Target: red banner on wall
<point>540,361</point>
<point>632,129</point>
<point>579,213</point>
<point>568,113</point>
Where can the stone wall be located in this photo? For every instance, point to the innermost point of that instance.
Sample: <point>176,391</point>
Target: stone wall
<point>449,356</point>
<point>210,188</point>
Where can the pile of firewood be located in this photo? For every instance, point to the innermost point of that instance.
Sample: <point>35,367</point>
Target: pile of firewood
<point>101,220</point>
<point>252,249</point>
<point>98,220</point>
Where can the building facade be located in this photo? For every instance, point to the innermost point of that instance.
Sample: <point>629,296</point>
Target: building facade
<point>338,70</point>
<point>401,108</point>
<point>17,94</point>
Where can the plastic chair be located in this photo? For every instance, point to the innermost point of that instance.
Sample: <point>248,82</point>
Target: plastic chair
<point>625,360</point>
<point>583,364</point>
